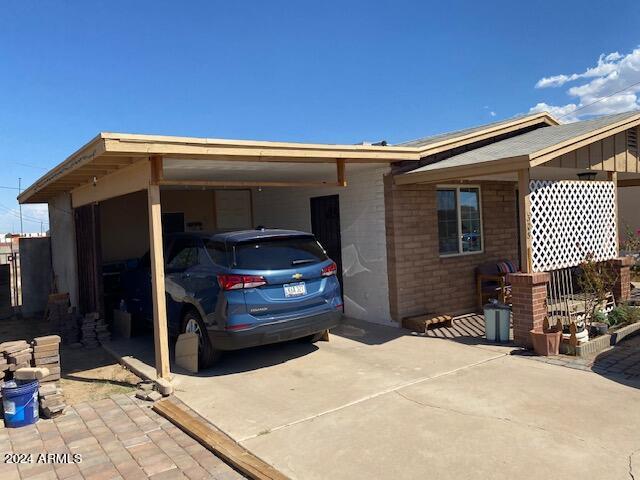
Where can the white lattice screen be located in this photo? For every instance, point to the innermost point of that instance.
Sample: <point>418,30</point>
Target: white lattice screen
<point>570,220</point>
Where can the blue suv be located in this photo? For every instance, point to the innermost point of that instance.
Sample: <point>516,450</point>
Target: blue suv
<point>242,289</point>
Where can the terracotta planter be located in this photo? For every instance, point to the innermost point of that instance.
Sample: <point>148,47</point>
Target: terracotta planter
<point>546,343</point>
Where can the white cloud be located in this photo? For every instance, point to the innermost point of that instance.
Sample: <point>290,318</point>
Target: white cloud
<point>612,73</point>
<point>491,112</point>
<point>32,215</point>
<point>564,111</point>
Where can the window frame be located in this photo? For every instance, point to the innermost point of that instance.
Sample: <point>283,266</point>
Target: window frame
<point>457,188</point>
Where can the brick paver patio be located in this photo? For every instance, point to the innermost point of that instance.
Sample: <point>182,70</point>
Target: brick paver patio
<point>118,438</point>
<point>621,361</point>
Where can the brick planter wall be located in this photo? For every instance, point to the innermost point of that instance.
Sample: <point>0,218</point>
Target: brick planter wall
<point>622,269</point>
<point>420,281</point>
<point>529,297</point>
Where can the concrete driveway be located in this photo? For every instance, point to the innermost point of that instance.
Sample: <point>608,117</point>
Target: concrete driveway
<point>377,402</point>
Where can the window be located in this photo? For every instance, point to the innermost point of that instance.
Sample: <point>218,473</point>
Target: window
<point>459,220</point>
<point>279,253</point>
<point>184,254</point>
<point>217,252</point>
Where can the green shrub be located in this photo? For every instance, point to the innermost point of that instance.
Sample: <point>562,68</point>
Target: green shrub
<point>600,316</point>
<point>624,314</point>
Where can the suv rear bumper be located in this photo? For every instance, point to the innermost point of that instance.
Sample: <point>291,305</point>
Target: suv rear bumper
<point>275,332</point>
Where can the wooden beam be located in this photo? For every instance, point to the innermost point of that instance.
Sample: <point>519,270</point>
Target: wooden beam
<point>342,180</point>
<point>157,172</point>
<point>213,149</point>
<point>243,184</point>
<point>113,161</point>
<point>120,182</point>
<point>613,177</point>
<point>160,333</point>
<point>217,442</point>
<point>629,182</point>
<point>524,217</point>
<point>505,165</point>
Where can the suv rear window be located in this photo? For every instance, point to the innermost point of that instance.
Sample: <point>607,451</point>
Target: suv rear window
<point>278,253</point>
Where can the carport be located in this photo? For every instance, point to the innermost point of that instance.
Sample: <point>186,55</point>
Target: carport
<point>178,175</point>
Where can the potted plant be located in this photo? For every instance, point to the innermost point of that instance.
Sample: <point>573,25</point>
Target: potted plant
<point>599,324</point>
<point>596,281</point>
<point>547,342</point>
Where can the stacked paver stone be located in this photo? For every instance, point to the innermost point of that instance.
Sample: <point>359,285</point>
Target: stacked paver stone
<point>4,366</point>
<point>88,330</point>
<point>95,330</point>
<point>63,318</point>
<point>13,355</point>
<point>17,354</point>
<point>46,354</point>
<point>102,331</point>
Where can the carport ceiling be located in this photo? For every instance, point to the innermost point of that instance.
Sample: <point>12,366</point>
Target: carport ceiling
<point>235,171</point>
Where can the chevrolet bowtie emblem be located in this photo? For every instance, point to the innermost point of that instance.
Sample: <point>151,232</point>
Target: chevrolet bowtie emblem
<point>296,276</point>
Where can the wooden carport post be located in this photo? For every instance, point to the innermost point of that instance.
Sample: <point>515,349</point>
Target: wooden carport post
<point>160,335</point>
<point>524,212</point>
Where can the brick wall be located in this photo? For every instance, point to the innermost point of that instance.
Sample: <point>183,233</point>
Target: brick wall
<point>529,304</point>
<point>622,270</point>
<point>421,281</point>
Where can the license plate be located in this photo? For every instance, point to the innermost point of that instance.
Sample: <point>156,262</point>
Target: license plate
<point>295,290</point>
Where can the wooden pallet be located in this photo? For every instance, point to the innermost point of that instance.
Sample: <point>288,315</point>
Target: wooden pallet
<point>217,442</point>
<point>420,323</point>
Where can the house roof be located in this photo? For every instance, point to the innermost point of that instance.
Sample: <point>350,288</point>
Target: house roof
<point>470,133</point>
<point>108,152</point>
<point>528,149</point>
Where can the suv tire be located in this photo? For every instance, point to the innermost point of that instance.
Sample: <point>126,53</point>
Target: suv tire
<point>207,355</point>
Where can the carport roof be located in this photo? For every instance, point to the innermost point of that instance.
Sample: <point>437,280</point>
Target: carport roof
<point>108,152</point>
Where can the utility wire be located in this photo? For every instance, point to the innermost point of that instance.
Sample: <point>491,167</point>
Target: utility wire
<point>599,100</point>
<point>17,215</point>
<point>31,166</point>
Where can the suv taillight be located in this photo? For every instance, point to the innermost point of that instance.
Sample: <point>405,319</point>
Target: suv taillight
<point>237,282</point>
<point>329,270</point>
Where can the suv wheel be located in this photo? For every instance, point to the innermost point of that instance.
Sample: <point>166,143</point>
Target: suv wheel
<point>207,355</point>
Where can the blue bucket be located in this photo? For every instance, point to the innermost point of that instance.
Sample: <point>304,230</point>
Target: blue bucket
<point>20,403</point>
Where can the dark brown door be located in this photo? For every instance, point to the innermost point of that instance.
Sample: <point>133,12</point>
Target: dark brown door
<point>325,225</point>
<point>89,254</point>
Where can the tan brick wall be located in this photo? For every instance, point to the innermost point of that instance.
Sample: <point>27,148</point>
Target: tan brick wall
<point>622,271</point>
<point>421,281</point>
<point>529,299</point>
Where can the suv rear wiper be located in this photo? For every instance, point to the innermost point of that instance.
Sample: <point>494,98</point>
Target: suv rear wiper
<point>300,262</point>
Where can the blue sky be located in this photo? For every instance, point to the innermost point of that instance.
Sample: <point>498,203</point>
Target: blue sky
<point>290,70</point>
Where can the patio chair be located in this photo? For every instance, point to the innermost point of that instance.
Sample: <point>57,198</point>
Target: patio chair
<point>491,281</point>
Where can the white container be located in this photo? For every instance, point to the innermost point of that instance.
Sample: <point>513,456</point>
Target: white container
<point>497,322</point>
